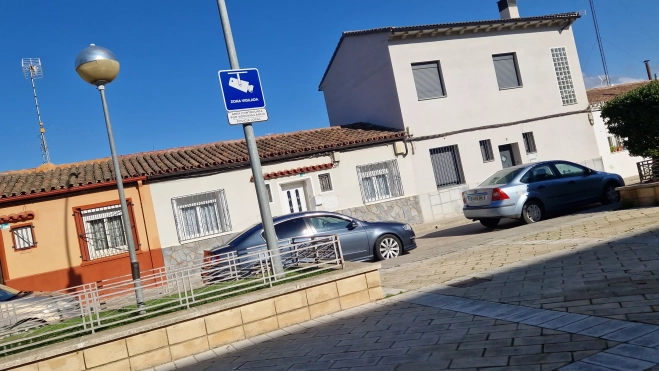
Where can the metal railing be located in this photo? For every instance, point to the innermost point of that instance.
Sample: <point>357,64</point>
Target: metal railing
<point>37,321</point>
<point>648,170</point>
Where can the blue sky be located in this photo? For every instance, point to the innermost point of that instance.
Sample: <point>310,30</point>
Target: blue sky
<point>167,94</point>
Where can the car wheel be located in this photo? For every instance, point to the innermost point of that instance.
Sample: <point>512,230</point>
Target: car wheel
<point>387,247</point>
<point>532,212</point>
<point>610,195</point>
<point>490,223</point>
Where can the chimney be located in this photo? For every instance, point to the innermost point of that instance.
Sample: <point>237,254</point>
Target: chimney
<point>508,9</point>
<point>647,68</point>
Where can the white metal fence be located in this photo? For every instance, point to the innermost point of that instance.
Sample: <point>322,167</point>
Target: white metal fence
<point>35,321</point>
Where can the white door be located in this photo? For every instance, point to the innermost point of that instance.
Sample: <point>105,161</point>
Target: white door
<point>293,198</point>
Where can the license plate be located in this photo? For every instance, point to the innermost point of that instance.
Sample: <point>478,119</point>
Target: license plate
<point>476,198</point>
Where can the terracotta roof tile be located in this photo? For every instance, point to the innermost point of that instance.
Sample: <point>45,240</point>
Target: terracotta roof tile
<point>603,95</point>
<point>50,177</point>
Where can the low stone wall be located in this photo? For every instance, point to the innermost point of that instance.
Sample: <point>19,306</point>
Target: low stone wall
<point>404,210</point>
<point>640,195</point>
<point>161,340</point>
<point>191,253</point>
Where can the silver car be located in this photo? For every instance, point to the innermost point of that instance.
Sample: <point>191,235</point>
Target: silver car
<point>529,192</point>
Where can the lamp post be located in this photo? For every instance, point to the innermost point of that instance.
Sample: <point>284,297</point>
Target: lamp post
<point>99,67</point>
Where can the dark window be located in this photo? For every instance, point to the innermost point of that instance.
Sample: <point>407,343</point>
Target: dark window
<point>486,150</point>
<point>428,80</point>
<point>328,223</point>
<point>291,228</point>
<point>325,182</point>
<point>529,142</point>
<point>507,71</point>
<point>267,188</point>
<point>539,174</point>
<point>447,166</point>
<point>569,170</point>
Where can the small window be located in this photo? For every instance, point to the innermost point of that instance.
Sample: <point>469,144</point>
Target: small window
<point>267,188</point>
<point>324,224</point>
<point>507,71</point>
<point>201,215</point>
<point>486,150</point>
<point>380,181</point>
<point>428,80</point>
<point>563,76</point>
<point>325,182</point>
<point>529,142</point>
<point>569,170</point>
<point>104,231</point>
<point>447,166</point>
<point>539,174</point>
<point>291,228</point>
<point>23,237</point>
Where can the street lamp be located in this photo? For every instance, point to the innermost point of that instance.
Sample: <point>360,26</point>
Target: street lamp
<point>99,67</point>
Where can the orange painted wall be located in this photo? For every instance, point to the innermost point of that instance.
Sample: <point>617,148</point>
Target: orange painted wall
<point>56,262</point>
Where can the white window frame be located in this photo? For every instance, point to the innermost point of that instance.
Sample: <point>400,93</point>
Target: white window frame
<point>103,213</point>
<point>23,237</point>
<point>392,177</point>
<point>217,198</point>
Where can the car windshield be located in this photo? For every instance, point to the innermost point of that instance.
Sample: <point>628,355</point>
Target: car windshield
<point>504,176</point>
<point>7,293</point>
<point>242,233</point>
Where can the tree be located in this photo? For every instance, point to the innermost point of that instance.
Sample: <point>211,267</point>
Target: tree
<point>634,117</point>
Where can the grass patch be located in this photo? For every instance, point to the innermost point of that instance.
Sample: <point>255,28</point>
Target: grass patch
<point>113,318</point>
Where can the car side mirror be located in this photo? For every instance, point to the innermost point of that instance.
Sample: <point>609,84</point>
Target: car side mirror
<point>353,224</point>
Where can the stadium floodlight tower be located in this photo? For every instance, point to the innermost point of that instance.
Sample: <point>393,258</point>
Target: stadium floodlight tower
<point>32,70</point>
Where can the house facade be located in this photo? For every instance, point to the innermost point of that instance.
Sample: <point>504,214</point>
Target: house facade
<point>615,157</point>
<point>474,97</point>
<point>60,226</point>
<point>357,170</point>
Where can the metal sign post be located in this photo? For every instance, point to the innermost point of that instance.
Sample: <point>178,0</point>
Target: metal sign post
<point>243,85</point>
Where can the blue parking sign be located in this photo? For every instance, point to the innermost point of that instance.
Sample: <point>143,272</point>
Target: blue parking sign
<point>241,89</point>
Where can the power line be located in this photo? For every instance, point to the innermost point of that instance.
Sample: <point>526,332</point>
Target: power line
<point>638,22</point>
<point>624,51</point>
<point>589,55</point>
<point>599,42</point>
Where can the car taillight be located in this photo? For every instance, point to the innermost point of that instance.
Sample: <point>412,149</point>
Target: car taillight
<point>464,198</point>
<point>498,195</point>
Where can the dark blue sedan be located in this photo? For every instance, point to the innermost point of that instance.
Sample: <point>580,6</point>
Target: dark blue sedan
<point>359,240</point>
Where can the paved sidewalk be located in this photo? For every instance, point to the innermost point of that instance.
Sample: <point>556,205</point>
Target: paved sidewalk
<point>574,293</point>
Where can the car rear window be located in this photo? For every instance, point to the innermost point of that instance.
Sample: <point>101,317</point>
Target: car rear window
<point>504,176</point>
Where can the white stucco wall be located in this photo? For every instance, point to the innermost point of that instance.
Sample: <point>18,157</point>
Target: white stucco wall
<point>360,87</point>
<point>473,97</point>
<point>241,197</point>
<point>617,162</point>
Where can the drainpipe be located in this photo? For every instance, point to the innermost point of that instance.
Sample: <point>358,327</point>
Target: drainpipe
<point>139,186</point>
<point>647,68</point>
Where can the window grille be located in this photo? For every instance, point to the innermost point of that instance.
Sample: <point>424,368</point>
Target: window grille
<point>380,181</point>
<point>23,237</point>
<point>201,215</point>
<point>104,231</point>
<point>529,142</point>
<point>486,150</point>
<point>325,182</point>
<point>447,166</point>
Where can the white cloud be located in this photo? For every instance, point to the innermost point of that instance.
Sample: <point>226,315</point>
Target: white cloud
<point>595,82</point>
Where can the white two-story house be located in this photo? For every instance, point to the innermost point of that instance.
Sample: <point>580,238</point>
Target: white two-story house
<point>474,97</point>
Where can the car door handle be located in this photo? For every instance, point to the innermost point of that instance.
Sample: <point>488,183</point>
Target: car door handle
<point>541,187</point>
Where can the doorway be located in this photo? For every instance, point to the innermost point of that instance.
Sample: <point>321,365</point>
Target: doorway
<point>507,156</point>
<point>294,199</point>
